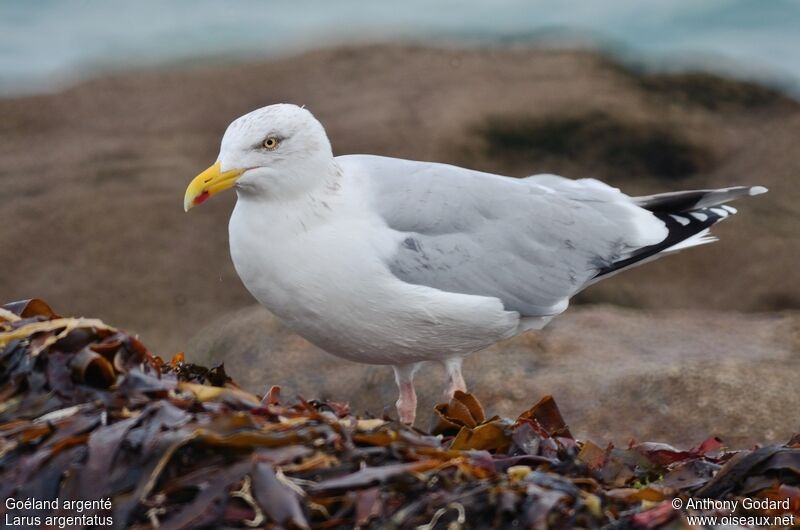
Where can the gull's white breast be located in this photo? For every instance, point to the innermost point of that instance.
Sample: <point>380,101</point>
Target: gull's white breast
<point>319,264</point>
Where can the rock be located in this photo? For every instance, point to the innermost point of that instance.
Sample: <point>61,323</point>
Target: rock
<point>677,376</point>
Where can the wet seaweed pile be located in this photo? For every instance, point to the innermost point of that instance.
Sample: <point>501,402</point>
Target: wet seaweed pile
<point>88,414</point>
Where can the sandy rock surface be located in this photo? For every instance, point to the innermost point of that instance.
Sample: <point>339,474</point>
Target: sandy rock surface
<point>92,182</point>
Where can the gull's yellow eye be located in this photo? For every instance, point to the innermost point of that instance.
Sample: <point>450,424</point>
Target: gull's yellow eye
<point>271,143</point>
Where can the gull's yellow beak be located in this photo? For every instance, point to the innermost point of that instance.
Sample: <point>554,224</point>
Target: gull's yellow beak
<point>208,183</point>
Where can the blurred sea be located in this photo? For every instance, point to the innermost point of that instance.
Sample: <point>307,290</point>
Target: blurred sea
<point>45,44</point>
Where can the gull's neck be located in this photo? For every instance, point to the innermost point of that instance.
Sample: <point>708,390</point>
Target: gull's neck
<point>295,206</point>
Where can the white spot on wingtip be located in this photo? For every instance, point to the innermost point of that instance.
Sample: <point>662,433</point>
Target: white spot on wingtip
<point>719,211</point>
<point>699,216</point>
<point>730,209</point>
<point>682,220</point>
<point>758,190</point>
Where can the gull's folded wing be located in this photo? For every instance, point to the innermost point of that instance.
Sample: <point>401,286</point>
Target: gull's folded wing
<point>529,242</point>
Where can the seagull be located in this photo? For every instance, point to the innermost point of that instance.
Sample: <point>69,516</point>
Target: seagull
<point>398,262</point>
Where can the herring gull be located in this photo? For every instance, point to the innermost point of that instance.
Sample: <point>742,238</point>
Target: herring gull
<point>398,262</point>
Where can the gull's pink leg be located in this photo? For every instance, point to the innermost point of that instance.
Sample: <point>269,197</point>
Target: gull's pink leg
<point>455,381</point>
<point>407,402</point>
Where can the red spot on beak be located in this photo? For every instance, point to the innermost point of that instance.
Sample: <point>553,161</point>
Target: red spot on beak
<point>200,199</point>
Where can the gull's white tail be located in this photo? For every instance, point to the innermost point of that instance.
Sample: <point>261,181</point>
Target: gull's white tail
<point>688,216</point>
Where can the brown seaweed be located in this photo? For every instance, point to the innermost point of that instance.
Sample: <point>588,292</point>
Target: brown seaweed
<point>87,412</point>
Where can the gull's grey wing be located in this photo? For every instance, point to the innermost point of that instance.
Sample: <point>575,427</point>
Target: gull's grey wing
<point>532,243</point>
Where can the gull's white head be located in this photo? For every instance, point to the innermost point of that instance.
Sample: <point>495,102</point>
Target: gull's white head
<point>275,151</point>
